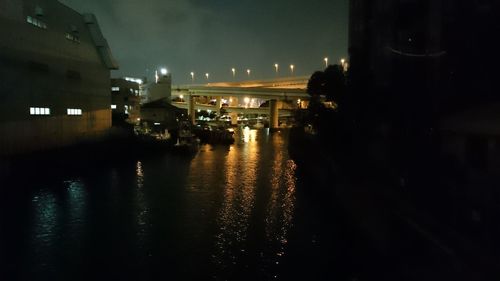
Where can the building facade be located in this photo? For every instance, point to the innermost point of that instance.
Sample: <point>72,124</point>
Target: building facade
<point>125,99</point>
<point>55,68</point>
<point>159,89</point>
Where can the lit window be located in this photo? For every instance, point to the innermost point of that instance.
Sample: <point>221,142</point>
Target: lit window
<point>72,37</point>
<point>74,111</point>
<point>113,106</point>
<point>39,111</point>
<point>36,22</point>
<point>115,89</point>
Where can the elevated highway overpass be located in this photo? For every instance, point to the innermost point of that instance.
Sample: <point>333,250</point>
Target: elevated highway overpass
<point>284,95</point>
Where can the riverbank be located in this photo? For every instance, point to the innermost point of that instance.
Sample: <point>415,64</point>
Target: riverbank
<point>109,150</point>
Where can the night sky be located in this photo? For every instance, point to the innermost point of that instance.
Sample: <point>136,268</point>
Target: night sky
<point>215,35</point>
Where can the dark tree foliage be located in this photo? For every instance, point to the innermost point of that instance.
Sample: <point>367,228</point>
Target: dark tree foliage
<point>329,83</point>
<point>316,84</point>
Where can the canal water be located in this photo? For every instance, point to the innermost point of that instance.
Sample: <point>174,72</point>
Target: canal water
<point>236,212</point>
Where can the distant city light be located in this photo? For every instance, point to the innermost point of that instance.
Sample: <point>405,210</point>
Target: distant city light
<point>135,80</point>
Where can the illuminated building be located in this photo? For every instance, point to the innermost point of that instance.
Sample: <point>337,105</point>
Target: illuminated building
<point>161,88</point>
<point>125,99</point>
<point>55,68</point>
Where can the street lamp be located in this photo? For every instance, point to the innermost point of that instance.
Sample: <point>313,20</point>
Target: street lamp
<point>276,66</point>
<point>342,61</point>
<point>291,68</point>
<point>207,75</point>
<point>163,71</point>
<point>248,72</point>
<point>233,71</point>
<point>326,62</point>
<point>192,76</point>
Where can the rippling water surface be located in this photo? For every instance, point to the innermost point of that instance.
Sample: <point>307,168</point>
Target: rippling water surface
<point>227,213</point>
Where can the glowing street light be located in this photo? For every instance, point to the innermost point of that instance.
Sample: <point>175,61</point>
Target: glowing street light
<point>233,71</point>
<point>207,75</point>
<point>192,76</point>
<point>292,67</point>
<point>163,71</point>
<point>248,72</point>
<point>276,67</point>
<point>326,62</point>
<point>181,96</point>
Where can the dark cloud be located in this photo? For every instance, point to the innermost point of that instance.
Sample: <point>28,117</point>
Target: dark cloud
<point>213,36</point>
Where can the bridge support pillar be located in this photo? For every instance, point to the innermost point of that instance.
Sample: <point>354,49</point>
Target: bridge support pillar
<point>273,114</point>
<point>191,110</point>
<point>234,118</point>
<point>218,103</point>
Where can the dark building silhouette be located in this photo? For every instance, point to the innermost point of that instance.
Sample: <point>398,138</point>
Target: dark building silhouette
<point>125,99</point>
<point>422,66</point>
<point>426,55</point>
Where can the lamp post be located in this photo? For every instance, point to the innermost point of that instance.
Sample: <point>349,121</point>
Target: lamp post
<point>248,72</point>
<point>234,72</point>
<point>326,62</point>
<point>192,77</point>
<point>292,67</point>
<point>207,75</point>
<point>276,67</point>
<point>343,64</point>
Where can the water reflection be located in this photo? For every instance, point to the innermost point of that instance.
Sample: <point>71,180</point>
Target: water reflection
<point>46,213</point>
<point>225,213</point>
<point>142,209</point>
<point>59,220</point>
<point>259,187</point>
<point>239,194</point>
